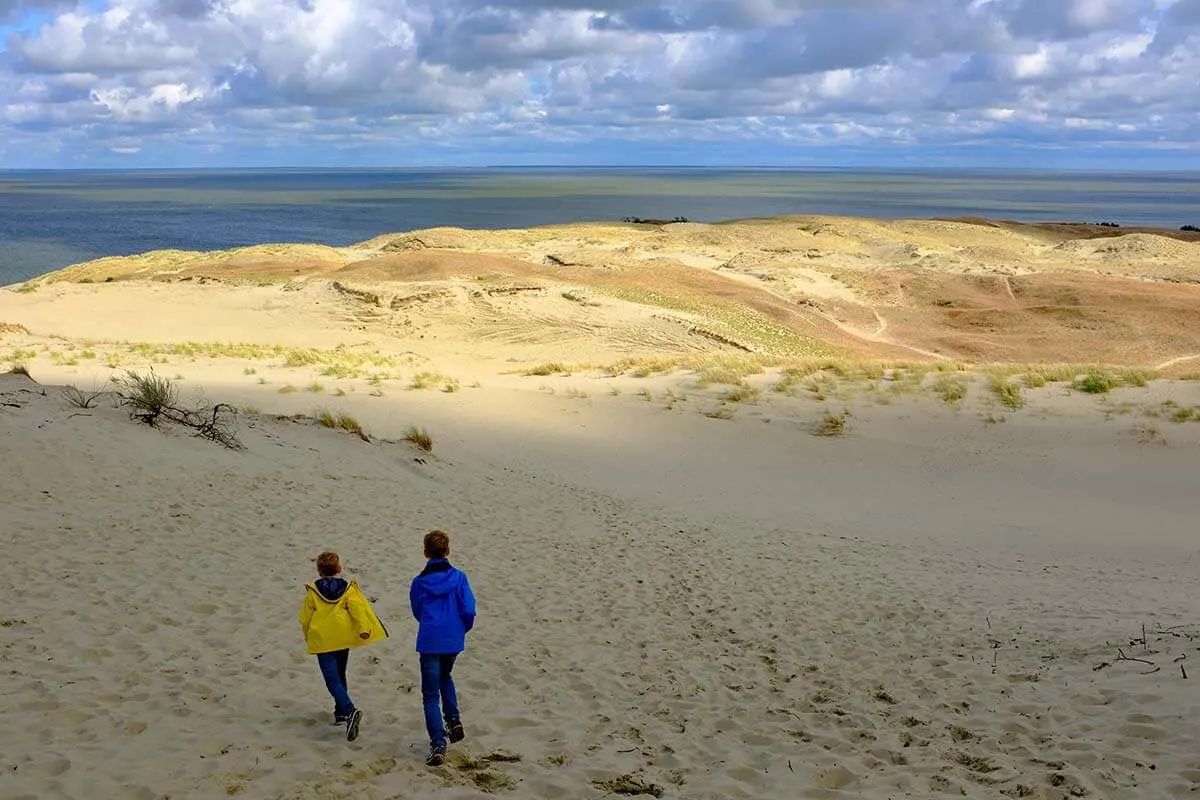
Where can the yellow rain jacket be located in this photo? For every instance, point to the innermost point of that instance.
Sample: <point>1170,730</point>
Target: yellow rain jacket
<point>336,624</point>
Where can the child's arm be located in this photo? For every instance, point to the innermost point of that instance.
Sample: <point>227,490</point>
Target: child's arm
<point>306,611</point>
<point>413,602</point>
<point>356,605</point>
<point>466,608</point>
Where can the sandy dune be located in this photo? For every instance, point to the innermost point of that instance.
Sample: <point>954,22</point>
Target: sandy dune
<point>789,287</point>
<point>683,591</point>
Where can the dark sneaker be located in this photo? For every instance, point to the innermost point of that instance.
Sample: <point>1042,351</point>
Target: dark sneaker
<point>340,720</point>
<point>456,732</point>
<point>352,723</point>
<point>437,756</point>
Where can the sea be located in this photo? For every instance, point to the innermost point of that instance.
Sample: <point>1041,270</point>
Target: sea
<point>51,219</point>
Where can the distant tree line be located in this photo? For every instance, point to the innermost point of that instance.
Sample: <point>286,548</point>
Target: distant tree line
<point>642,221</point>
<point>1184,228</point>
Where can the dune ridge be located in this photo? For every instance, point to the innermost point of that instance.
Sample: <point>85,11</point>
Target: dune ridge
<point>785,287</point>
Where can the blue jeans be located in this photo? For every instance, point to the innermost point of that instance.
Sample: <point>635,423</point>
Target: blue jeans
<point>436,684</point>
<point>333,670</point>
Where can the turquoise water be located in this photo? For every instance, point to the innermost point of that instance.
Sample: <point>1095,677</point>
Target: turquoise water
<point>51,219</point>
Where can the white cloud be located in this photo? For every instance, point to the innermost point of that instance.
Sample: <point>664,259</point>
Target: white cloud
<point>221,74</point>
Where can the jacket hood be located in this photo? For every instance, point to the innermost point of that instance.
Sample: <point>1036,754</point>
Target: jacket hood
<point>439,578</point>
<point>330,589</point>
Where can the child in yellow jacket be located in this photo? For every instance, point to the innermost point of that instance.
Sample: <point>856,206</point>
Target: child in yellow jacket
<point>336,616</point>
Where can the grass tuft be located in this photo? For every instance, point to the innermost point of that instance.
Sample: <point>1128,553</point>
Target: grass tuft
<point>742,394</point>
<point>340,421</point>
<point>148,395</point>
<point>830,424</point>
<point>1095,383</point>
<point>951,388</point>
<point>419,437</point>
<point>1008,393</point>
<point>423,380</point>
<point>550,368</point>
<point>80,398</point>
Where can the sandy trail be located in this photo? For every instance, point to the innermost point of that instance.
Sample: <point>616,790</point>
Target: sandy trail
<point>1175,361</point>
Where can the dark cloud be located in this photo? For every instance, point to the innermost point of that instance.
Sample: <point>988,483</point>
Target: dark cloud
<point>10,9</point>
<point>1180,23</point>
<point>188,9</point>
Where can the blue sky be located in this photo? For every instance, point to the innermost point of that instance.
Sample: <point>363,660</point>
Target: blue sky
<point>1108,84</point>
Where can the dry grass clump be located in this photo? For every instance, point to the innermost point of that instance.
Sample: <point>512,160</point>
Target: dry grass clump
<point>549,368</point>
<point>1184,414</point>
<point>151,399</point>
<point>1089,378</point>
<point>1095,383</point>
<point>13,327</point>
<point>306,357</point>
<point>1103,381</point>
<point>643,367</point>
<point>821,386</point>
<point>339,371</point>
<point>951,388</point>
<point>340,421</point>
<point>339,362</point>
<point>720,375</point>
<point>830,424</point>
<point>21,355</point>
<point>147,396</point>
<point>81,398</point>
<point>424,380</point>
<point>419,437</point>
<point>742,394</point>
<point>788,380</point>
<point>19,369</point>
<point>1008,393</point>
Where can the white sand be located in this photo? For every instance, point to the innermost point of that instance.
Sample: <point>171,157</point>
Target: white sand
<point>932,605</point>
<point>719,608</point>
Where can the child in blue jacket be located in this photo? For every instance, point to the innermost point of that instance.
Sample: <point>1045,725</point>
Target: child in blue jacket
<point>444,607</point>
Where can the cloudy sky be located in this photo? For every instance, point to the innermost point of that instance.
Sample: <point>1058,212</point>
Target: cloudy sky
<point>1067,83</point>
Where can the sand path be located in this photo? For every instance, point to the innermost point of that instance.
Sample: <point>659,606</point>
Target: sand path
<point>1180,360</point>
